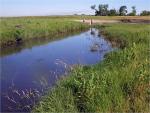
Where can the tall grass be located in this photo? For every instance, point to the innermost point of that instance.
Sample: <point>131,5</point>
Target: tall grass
<point>16,30</point>
<point>118,84</point>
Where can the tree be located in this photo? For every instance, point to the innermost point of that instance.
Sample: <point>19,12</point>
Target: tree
<point>102,9</point>
<point>134,10</point>
<point>94,8</point>
<point>145,13</point>
<point>133,13</point>
<point>123,10</point>
<point>113,12</point>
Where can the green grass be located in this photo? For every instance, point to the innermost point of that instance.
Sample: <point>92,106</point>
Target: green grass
<point>86,17</point>
<point>17,29</point>
<point>14,30</point>
<point>118,84</point>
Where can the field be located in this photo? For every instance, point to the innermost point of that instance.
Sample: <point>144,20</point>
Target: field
<point>84,16</point>
<point>16,30</point>
<point>118,84</point>
<point>19,29</point>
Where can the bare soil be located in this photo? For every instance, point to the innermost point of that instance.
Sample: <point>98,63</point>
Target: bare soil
<point>98,21</point>
<point>94,21</point>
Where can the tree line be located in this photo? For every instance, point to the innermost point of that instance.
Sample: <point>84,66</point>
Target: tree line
<point>103,10</point>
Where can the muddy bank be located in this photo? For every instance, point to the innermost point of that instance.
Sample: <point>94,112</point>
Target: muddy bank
<point>93,21</point>
<point>52,36</point>
<point>88,21</point>
<point>116,42</point>
<point>135,21</point>
<point>29,44</point>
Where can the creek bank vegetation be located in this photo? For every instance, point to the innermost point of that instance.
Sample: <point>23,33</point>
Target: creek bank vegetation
<point>18,30</point>
<point>118,84</point>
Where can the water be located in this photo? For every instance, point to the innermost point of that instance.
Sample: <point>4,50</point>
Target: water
<point>30,71</point>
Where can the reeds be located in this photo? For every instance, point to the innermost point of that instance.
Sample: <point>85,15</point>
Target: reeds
<point>21,100</point>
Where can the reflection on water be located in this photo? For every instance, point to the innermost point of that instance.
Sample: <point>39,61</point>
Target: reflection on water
<point>29,70</point>
<point>33,42</point>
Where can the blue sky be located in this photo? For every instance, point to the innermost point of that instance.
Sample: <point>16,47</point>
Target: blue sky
<point>62,7</point>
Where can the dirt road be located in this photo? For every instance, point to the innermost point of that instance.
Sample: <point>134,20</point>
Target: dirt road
<point>132,21</point>
<point>98,21</point>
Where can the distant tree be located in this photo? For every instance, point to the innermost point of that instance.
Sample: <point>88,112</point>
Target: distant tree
<point>145,13</point>
<point>101,11</point>
<point>83,14</point>
<point>94,8</point>
<point>123,10</point>
<point>75,14</point>
<point>113,12</point>
<point>134,10</point>
<point>133,13</point>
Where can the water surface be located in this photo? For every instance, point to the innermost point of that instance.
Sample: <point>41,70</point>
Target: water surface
<point>32,70</point>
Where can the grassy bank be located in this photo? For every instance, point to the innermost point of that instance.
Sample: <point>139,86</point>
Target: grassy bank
<point>19,29</point>
<point>86,17</point>
<point>16,30</point>
<point>118,84</point>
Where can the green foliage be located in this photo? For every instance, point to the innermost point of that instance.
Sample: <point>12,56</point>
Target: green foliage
<point>123,10</point>
<point>113,12</point>
<point>118,84</point>
<point>93,7</point>
<point>134,10</point>
<point>57,101</point>
<point>133,13</point>
<point>102,9</point>
<point>145,13</point>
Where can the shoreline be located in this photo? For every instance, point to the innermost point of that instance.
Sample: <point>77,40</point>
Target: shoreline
<point>90,87</point>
